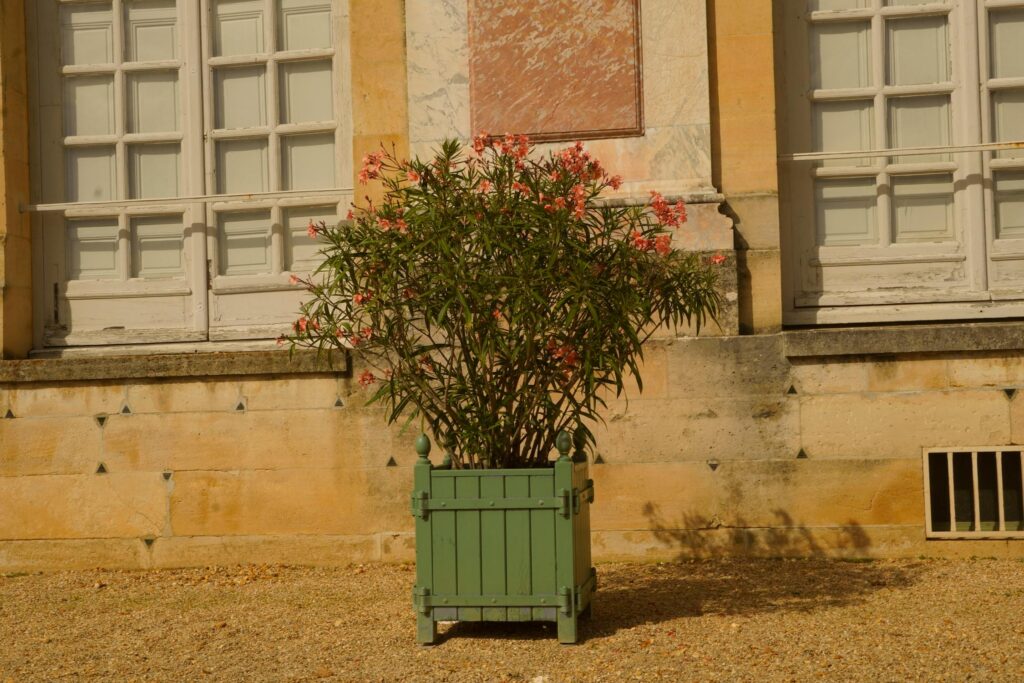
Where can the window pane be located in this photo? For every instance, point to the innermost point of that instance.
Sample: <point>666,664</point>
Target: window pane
<point>919,122</point>
<point>240,97</point>
<point>922,208</point>
<point>306,92</point>
<point>1009,197</point>
<point>841,56</point>
<point>1007,37</point>
<point>303,251</point>
<point>304,24</point>
<point>91,174</point>
<point>307,162</point>
<point>153,171</point>
<point>157,246</point>
<point>151,30</point>
<point>237,27</point>
<point>838,4</point>
<point>89,105</point>
<point>242,166</point>
<point>843,126</point>
<point>87,34</point>
<point>963,491</point>
<point>988,492</point>
<point>846,211</point>
<point>92,249</point>
<point>1013,492</point>
<point>918,51</point>
<point>153,102</point>
<point>1008,115</point>
<point>245,243</point>
<point>938,485</point>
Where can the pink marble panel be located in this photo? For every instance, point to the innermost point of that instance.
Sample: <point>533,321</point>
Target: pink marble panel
<point>556,69</point>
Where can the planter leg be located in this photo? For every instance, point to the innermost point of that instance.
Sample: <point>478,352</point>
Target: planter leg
<point>426,630</point>
<point>567,630</point>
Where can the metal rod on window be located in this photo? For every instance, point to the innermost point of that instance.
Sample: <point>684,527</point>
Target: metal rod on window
<point>903,151</point>
<point>999,491</point>
<point>122,204</point>
<point>977,491</point>
<point>952,492</point>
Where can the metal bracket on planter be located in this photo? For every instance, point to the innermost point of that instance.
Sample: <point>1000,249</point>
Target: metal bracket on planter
<point>420,504</point>
<point>423,503</point>
<point>586,493</point>
<point>567,601</point>
<point>421,599</point>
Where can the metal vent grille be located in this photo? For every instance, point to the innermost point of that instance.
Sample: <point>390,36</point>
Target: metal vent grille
<point>974,492</point>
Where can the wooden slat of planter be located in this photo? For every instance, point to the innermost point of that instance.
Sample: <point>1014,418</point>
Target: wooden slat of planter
<point>443,541</point>
<point>517,547</point>
<point>468,550</point>
<point>542,546</point>
<point>492,544</point>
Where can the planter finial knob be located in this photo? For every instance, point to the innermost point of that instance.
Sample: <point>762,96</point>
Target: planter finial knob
<point>423,446</point>
<point>563,443</point>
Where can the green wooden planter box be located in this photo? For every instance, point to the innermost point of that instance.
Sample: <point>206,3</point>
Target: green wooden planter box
<point>502,545</point>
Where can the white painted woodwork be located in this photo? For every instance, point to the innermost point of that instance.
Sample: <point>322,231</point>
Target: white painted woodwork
<point>184,146</point>
<point>889,236</point>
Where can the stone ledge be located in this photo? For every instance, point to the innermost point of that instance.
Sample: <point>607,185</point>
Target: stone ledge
<point>214,364</point>
<point>904,339</point>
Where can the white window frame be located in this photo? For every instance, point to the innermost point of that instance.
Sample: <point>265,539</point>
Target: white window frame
<point>271,297</point>
<point>974,246</point>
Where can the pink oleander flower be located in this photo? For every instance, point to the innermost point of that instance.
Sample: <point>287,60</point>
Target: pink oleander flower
<point>384,224</point>
<point>615,182</point>
<point>359,298</point>
<point>350,215</point>
<point>367,378</point>
<point>412,176</point>
<point>293,279</point>
<point>520,187</point>
<point>312,230</point>
<point>372,164</point>
<point>480,142</point>
<point>663,244</point>
<point>402,226</point>
<point>672,216</point>
<point>640,242</point>
<point>717,259</point>
<point>485,186</point>
<point>301,325</point>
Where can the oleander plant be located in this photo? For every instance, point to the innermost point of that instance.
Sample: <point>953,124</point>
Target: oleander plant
<point>497,297</point>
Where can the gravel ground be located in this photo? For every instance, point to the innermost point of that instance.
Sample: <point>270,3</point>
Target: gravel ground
<point>766,620</point>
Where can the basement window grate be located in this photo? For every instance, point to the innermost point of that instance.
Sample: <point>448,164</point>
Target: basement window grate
<point>974,492</point>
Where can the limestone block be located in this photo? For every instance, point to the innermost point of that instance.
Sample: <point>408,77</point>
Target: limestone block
<point>292,393</point>
<point>183,396</point>
<point>998,369</point>
<point>69,399</point>
<point>913,374</point>
<point>281,502</point>
<point>901,425</point>
<point>653,376</point>
<point>671,430</point>
<point>630,496</point>
<point>760,290</point>
<point>197,551</point>
<point>831,376</point>
<point>728,366</point>
<point>810,492</point>
<point>70,554</point>
<point>756,218</point>
<point>116,505</point>
<point>51,445</point>
<point>398,547</point>
<point>326,438</point>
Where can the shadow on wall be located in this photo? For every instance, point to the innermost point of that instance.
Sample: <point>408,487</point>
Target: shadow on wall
<point>697,537</point>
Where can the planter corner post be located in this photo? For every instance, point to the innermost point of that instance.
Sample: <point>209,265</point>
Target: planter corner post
<point>426,627</point>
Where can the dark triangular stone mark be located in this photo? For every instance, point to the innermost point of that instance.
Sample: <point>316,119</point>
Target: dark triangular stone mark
<point>240,407</point>
<point>792,390</point>
<point>167,476</point>
<point>802,455</point>
<point>1010,393</point>
<point>339,403</point>
<point>102,469</point>
<point>391,463</point>
<point>713,464</point>
<point>598,460</point>
<point>148,542</point>
<point>125,410</point>
<point>101,420</point>
<point>9,415</point>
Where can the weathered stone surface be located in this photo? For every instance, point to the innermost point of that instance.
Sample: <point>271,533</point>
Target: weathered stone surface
<point>281,502</point>
<point>184,396</point>
<point>52,445</point>
<point>851,375</point>
<point>747,427</point>
<point>290,393</point>
<point>729,366</point>
<point>321,549</point>
<point>67,399</point>
<point>115,505</point>
<point>901,425</point>
<point>999,369</point>
<point>897,339</point>
<point>44,555</point>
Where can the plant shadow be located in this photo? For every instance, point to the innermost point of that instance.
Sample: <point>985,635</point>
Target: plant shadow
<point>738,571</point>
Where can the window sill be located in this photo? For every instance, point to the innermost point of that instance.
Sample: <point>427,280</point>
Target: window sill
<point>905,339</point>
<point>169,361</point>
